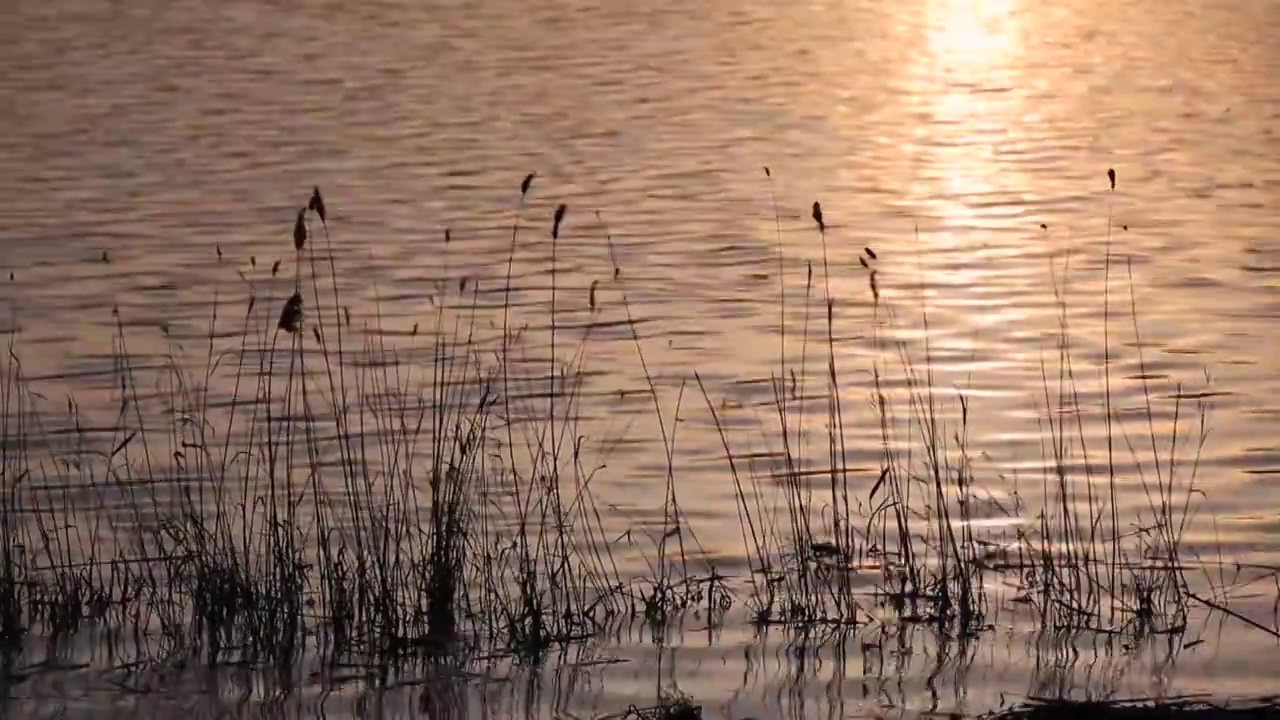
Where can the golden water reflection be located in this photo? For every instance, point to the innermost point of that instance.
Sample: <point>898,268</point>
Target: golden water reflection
<point>972,121</point>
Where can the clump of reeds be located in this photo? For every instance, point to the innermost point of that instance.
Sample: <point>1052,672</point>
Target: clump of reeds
<point>348,500</point>
<point>910,520</point>
<point>1083,565</point>
<point>13,596</point>
<point>903,521</point>
<point>332,497</point>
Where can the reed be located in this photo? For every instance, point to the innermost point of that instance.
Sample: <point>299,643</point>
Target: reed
<point>309,487</point>
<point>909,525</point>
<point>329,486</point>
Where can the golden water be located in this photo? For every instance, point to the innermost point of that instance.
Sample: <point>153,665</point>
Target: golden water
<point>941,133</point>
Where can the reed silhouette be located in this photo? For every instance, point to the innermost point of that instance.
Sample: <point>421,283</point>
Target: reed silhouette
<point>352,502</point>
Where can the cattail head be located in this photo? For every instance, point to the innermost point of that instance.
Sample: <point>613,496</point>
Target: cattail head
<point>448,236</point>
<point>346,313</point>
<point>555,222</point>
<point>526,184</point>
<point>1111,175</point>
<point>317,204</point>
<point>766,172</point>
<point>300,230</point>
<point>105,258</point>
<point>870,253</point>
<point>817,216</point>
<point>863,261</point>
<point>219,249</point>
<point>291,314</point>
<point>591,295</point>
<point>275,267</point>
<point>253,262</point>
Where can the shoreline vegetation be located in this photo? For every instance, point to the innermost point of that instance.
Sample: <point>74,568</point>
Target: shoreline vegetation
<point>376,499</point>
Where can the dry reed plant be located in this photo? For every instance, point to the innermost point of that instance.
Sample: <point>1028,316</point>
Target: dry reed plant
<point>345,500</point>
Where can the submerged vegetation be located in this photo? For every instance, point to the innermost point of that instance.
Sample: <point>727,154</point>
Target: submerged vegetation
<point>334,489</point>
<point>1188,708</point>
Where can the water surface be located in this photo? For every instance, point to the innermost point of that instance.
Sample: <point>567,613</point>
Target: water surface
<point>965,142</point>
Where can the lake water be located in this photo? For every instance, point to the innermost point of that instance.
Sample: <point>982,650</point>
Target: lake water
<point>966,142</point>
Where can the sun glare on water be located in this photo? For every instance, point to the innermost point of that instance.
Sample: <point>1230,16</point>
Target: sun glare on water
<point>967,79</point>
<point>966,88</point>
<point>972,36</point>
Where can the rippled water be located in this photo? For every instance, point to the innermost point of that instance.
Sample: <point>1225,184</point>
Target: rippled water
<point>941,133</point>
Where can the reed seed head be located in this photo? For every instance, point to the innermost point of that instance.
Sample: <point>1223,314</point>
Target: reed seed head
<point>300,230</point>
<point>526,184</point>
<point>817,216</point>
<point>291,314</point>
<point>316,204</point>
<point>559,217</point>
